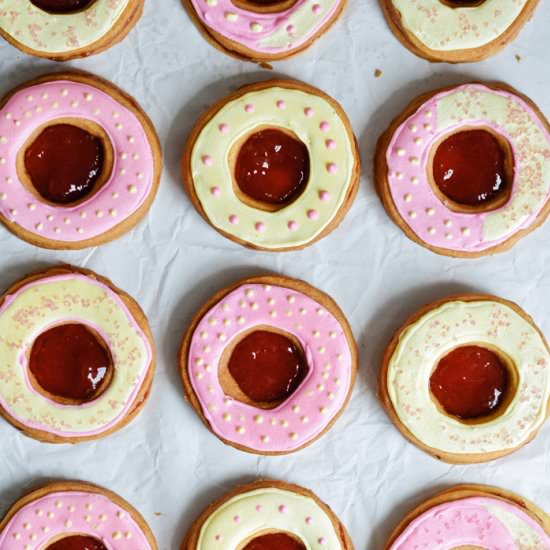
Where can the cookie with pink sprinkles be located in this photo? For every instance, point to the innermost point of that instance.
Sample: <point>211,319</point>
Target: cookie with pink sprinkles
<point>269,364</point>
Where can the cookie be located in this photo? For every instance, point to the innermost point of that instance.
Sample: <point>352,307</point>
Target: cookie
<point>77,356</point>
<point>80,162</point>
<point>267,515</point>
<point>467,378</point>
<point>470,517</point>
<point>465,171</point>
<point>71,515</point>
<point>67,29</point>
<point>457,31</point>
<point>274,166</point>
<point>268,364</point>
<point>263,31</point>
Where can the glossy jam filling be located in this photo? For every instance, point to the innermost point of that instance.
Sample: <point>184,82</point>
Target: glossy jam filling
<point>267,366</point>
<point>64,162</point>
<point>62,6</point>
<point>463,3</point>
<point>275,541</point>
<point>272,167</point>
<point>470,382</point>
<point>470,168</point>
<point>77,542</point>
<point>69,362</point>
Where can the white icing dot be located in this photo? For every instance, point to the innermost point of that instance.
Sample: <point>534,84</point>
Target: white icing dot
<point>99,213</point>
<point>64,92</point>
<point>113,212</point>
<point>79,230</point>
<point>265,439</point>
<point>293,436</point>
<point>258,419</point>
<point>256,27</point>
<point>449,236</point>
<point>68,524</point>
<point>412,214</point>
<point>240,430</point>
<point>407,197</point>
<point>231,16</point>
<point>284,423</point>
<point>127,535</point>
<point>415,180</point>
<point>400,151</point>
<point>431,230</point>
<point>448,223</point>
<point>132,189</point>
<point>430,211</point>
<point>88,96</point>
<point>3,196</point>
<point>414,160</point>
<point>465,231</point>
<point>117,535</point>
<point>39,226</point>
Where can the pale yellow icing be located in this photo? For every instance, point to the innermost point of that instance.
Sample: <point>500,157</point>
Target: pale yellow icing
<point>457,323</point>
<point>58,33</point>
<point>217,146</point>
<point>268,509</point>
<point>440,27</point>
<point>57,300</point>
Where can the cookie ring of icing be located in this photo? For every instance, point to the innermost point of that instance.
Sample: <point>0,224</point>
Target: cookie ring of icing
<point>473,516</point>
<point>429,335</point>
<point>68,36</point>
<point>295,308</point>
<point>264,34</point>
<point>58,296</point>
<point>403,163</point>
<point>74,508</point>
<point>439,32</point>
<point>126,195</point>
<point>317,120</point>
<point>267,506</point>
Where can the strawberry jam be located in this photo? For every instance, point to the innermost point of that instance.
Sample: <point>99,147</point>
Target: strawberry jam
<point>77,542</point>
<point>464,3</point>
<point>64,162</point>
<point>275,541</point>
<point>272,167</point>
<point>267,366</point>
<point>62,6</point>
<point>469,168</point>
<point>69,362</point>
<point>470,382</point>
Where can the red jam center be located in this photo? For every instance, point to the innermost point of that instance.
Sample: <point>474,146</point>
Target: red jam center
<point>62,6</point>
<point>64,162</point>
<point>69,362</point>
<point>275,541</point>
<point>464,3</point>
<point>272,167</point>
<point>77,542</point>
<point>267,366</point>
<point>469,167</point>
<point>470,382</point>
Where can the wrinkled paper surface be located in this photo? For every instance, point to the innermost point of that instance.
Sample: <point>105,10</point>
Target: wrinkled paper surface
<point>166,463</point>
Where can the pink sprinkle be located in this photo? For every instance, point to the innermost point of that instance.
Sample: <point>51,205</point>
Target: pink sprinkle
<point>324,196</point>
<point>332,168</point>
<point>223,128</point>
<point>283,509</point>
<point>249,108</point>
<point>216,191</point>
<point>325,126</point>
<point>316,9</point>
<point>290,29</point>
<point>234,219</point>
<point>309,520</point>
<point>308,111</point>
<point>281,104</point>
<point>322,541</point>
<point>331,144</point>
<point>292,225</point>
<point>312,214</point>
<point>260,226</point>
<point>236,519</point>
<point>207,160</point>
<point>259,508</point>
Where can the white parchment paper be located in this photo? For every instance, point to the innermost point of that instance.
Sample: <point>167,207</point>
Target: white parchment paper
<point>166,463</point>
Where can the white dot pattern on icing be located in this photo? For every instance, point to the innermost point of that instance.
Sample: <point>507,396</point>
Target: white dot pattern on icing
<point>44,520</point>
<point>459,323</point>
<point>18,196</point>
<point>304,219</point>
<point>62,33</point>
<point>444,28</point>
<point>39,305</point>
<point>275,431</point>
<point>268,509</point>
<point>484,522</point>
<point>471,105</point>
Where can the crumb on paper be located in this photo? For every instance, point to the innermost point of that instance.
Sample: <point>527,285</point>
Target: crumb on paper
<point>518,57</point>
<point>158,514</point>
<point>377,73</point>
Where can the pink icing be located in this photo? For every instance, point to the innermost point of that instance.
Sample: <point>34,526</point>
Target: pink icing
<point>244,28</point>
<point>25,346</point>
<point>125,191</point>
<point>411,192</point>
<point>64,513</point>
<point>308,411</point>
<point>466,522</point>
